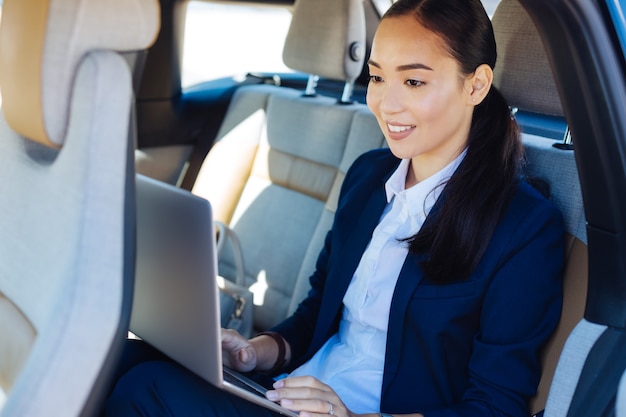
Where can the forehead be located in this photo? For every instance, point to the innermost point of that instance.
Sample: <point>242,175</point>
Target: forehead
<point>402,39</point>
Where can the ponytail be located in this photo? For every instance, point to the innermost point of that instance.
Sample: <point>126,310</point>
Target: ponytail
<point>459,228</point>
<point>456,234</point>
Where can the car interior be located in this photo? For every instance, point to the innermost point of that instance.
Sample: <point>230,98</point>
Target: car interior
<point>269,152</point>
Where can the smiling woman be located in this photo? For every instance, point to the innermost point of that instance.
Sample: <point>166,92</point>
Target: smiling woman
<point>435,247</point>
<point>430,98</point>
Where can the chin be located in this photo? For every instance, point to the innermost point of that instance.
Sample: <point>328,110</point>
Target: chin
<point>400,151</point>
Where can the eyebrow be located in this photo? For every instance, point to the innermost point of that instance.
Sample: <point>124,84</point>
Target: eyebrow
<point>405,67</point>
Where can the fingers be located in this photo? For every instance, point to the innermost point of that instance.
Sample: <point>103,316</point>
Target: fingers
<point>308,395</point>
<point>237,352</point>
<point>302,381</point>
<point>231,339</point>
<point>313,408</point>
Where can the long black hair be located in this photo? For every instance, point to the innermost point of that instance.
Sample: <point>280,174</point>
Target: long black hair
<point>457,233</point>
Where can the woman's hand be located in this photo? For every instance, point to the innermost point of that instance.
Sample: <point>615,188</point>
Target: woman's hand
<point>309,396</point>
<point>237,352</point>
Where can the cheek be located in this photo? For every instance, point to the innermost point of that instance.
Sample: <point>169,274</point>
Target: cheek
<point>426,108</point>
<point>439,104</point>
<point>373,100</point>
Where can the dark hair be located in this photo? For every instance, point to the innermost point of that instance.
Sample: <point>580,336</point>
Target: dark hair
<point>456,235</point>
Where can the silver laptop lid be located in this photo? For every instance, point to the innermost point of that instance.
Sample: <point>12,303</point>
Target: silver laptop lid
<point>176,307</point>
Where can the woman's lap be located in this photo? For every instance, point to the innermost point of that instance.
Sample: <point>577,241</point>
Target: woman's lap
<point>160,387</point>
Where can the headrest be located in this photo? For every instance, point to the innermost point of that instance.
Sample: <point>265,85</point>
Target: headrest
<point>327,38</point>
<point>522,72</point>
<point>41,45</point>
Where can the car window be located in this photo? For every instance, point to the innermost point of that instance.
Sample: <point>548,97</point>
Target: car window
<point>231,39</point>
<point>224,39</point>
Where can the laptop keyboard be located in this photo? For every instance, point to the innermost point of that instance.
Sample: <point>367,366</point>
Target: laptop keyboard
<point>241,381</point>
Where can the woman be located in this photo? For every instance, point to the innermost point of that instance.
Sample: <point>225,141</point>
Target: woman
<point>440,279</point>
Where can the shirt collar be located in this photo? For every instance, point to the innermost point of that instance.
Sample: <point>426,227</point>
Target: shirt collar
<point>419,192</point>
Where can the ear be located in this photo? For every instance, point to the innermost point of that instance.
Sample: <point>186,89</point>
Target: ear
<point>478,84</point>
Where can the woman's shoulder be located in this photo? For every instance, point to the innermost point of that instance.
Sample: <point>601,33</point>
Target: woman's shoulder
<point>531,205</point>
<point>533,194</point>
<point>531,223</point>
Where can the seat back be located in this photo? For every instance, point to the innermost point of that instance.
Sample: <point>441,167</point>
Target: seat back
<point>275,171</point>
<point>66,253</point>
<point>524,77</point>
<point>558,168</point>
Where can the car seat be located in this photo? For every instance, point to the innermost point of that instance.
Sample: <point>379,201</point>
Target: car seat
<point>66,192</point>
<point>524,77</point>
<point>275,170</point>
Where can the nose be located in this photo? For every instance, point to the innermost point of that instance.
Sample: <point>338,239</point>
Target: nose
<point>391,99</point>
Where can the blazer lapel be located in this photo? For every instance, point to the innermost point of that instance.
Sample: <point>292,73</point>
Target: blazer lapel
<point>350,255</point>
<point>410,277</point>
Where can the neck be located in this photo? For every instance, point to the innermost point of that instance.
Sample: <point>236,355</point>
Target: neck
<point>424,166</point>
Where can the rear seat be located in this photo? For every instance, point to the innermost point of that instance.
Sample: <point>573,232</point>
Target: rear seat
<point>275,171</point>
<point>524,77</point>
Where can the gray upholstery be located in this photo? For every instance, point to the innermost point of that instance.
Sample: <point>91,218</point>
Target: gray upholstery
<point>327,38</point>
<point>558,168</point>
<point>570,366</point>
<point>522,70</point>
<point>62,256</point>
<point>65,265</point>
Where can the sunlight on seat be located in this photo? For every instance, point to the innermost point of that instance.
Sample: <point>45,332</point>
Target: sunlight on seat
<point>230,160</point>
<point>259,288</point>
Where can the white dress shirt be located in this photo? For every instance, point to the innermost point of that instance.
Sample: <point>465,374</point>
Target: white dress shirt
<point>352,360</point>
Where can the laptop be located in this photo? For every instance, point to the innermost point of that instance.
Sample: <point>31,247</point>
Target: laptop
<point>176,300</point>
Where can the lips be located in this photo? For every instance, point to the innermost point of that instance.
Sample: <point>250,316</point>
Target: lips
<point>398,132</point>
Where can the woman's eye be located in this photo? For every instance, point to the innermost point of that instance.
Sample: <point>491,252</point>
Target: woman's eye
<point>415,83</point>
<point>375,79</point>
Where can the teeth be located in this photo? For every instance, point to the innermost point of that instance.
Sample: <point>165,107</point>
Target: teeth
<point>398,129</point>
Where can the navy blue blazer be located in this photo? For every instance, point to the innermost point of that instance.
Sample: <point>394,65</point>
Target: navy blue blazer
<point>462,349</point>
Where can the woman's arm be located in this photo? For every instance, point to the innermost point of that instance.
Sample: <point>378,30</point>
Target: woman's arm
<point>266,352</point>
<point>272,350</point>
